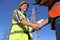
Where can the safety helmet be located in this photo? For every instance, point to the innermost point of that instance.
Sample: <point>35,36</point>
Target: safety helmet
<point>24,3</point>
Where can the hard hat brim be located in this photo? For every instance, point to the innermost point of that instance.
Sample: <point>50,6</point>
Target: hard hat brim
<point>24,3</point>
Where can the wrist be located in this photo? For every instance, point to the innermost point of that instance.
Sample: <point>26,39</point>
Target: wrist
<point>29,24</point>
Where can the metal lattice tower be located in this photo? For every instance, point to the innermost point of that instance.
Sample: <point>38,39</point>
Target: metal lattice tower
<point>33,14</point>
<point>6,34</point>
<point>33,19</point>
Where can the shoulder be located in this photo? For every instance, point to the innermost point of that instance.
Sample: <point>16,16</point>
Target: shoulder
<point>15,11</point>
<point>57,4</point>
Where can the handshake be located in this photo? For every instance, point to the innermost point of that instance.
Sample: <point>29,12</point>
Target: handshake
<point>37,25</point>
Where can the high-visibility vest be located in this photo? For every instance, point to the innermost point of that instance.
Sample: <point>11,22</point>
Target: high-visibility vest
<point>54,13</point>
<point>18,30</point>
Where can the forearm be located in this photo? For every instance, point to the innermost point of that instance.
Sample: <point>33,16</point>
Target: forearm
<point>24,22</point>
<point>44,23</point>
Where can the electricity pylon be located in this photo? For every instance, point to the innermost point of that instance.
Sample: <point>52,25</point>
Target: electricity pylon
<point>33,19</point>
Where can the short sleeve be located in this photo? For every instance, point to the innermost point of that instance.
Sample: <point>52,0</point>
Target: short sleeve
<point>17,17</point>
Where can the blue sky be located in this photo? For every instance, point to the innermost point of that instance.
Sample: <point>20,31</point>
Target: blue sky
<point>6,10</point>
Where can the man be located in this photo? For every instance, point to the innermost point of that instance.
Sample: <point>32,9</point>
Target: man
<point>54,18</point>
<point>48,3</point>
<point>20,25</point>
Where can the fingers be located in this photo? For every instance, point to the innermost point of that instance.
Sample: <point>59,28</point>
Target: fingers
<point>35,23</point>
<point>36,27</point>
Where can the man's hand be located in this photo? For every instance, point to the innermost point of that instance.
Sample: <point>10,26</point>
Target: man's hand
<point>35,27</point>
<point>39,27</point>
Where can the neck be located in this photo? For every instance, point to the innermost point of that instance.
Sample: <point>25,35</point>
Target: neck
<point>22,11</point>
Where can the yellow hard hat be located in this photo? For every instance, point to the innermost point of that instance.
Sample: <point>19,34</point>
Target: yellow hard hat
<point>24,3</point>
